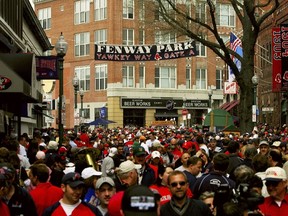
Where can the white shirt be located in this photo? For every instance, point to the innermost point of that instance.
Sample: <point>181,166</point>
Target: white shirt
<point>22,150</point>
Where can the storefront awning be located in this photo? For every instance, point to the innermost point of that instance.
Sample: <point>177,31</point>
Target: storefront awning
<point>225,105</point>
<point>232,105</point>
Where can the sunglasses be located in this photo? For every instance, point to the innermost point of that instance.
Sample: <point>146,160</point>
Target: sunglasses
<point>272,183</point>
<point>175,184</point>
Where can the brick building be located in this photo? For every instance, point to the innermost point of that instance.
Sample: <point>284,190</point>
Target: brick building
<point>131,93</point>
<point>272,105</point>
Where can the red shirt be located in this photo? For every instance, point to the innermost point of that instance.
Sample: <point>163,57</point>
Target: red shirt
<point>45,195</point>
<point>114,205</point>
<point>4,209</point>
<point>271,208</point>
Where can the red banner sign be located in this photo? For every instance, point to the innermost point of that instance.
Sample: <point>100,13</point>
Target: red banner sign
<point>276,60</point>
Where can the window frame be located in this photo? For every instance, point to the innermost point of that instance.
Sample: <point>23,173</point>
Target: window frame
<point>81,12</point>
<point>128,9</point>
<point>80,43</point>
<point>44,16</point>
<point>128,76</point>
<point>170,78</point>
<point>101,76</point>
<point>100,7</point>
<point>103,34</point>
<point>200,83</point>
<point>83,74</point>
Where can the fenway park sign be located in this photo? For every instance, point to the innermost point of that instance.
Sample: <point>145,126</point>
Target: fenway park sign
<point>144,52</point>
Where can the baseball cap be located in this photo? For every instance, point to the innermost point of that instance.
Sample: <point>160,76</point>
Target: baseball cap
<point>127,166</point>
<point>73,179</point>
<point>139,150</point>
<point>264,142</point>
<point>157,144</point>
<point>155,154</point>
<point>90,171</point>
<point>275,174</point>
<point>276,144</point>
<point>113,151</point>
<point>142,137</point>
<point>140,200</point>
<point>104,180</point>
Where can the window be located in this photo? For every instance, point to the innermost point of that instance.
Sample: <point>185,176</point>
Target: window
<point>82,44</point>
<point>141,37</point>
<point>83,74</point>
<point>201,11</point>
<point>219,79</point>
<point>101,36</point>
<point>200,49</point>
<point>162,37</point>
<point>201,79</point>
<point>142,76</point>
<point>128,37</point>
<point>44,16</point>
<point>141,10</point>
<point>100,9</point>
<point>81,11</point>
<point>101,77</point>
<point>128,76</point>
<point>188,77</point>
<point>165,6</point>
<point>165,77</point>
<point>128,9</point>
<point>225,15</point>
<point>97,113</point>
<point>85,113</point>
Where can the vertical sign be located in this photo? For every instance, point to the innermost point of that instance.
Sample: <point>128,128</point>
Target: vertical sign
<point>284,52</point>
<point>276,60</point>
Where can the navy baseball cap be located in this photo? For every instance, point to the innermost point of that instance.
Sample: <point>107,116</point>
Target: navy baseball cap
<point>73,179</point>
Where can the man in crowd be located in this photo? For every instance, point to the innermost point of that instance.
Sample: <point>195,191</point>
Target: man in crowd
<point>264,147</point>
<point>180,204</point>
<point>17,198</point>
<point>146,174</point>
<point>127,176</point>
<point>194,166</point>
<point>277,203</point>
<point>71,203</point>
<point>216,178</point>
<point>44,194</point>
<point>108,166</point>
<point>105,189</point>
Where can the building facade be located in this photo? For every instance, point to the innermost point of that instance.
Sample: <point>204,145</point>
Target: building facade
<point>272,104</point>
<point>132,93</point>
<point>21,39</point>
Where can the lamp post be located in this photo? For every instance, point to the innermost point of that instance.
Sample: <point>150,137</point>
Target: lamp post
<point>61,48</point>
<point>210,93</point>
<point>76,86</point>
<point>255,81</point>
<point>81,92</point>
<point>184,111</point>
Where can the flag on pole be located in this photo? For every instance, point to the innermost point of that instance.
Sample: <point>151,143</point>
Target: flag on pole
<point>236,46</point>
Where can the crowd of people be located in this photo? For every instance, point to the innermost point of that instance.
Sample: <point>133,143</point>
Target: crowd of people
<point>145,171</point>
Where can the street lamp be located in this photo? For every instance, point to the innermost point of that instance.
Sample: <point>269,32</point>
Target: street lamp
<point>255,81</point>
<point>81,92</point>
<point>76,86</point>
<point>210,93</point>
<point>184,111</point>
<point>61,48</point>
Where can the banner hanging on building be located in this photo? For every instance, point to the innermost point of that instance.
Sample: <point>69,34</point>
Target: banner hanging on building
<point>276,60</point>
<point>46,67</point>
<point>144,52</point>
<point>284,54</point>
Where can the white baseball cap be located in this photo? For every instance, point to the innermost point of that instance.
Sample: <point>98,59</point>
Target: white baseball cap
<point>275,174</point>
<point>155,154</point>
<point>90,171</point>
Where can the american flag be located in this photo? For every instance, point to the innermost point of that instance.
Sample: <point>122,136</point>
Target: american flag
<point>236,46</point>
